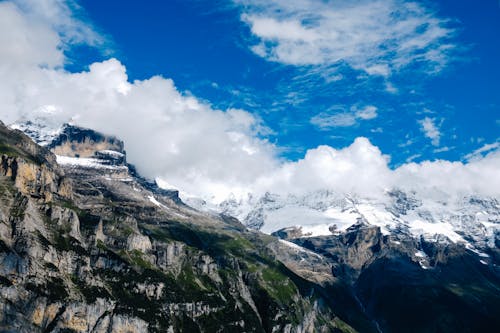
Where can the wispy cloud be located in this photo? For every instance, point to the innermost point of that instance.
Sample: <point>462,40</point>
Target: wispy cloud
<point>378,37</point>
<point>443,149</point>
<point>326,120</point>
<point>482,151</point>
<point>337,116</point>
<point>430,130</point>
<point>366,113</point>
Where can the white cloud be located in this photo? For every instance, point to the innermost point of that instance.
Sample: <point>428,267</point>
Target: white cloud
<point>337,116</point>
<point>443,149</point>
<point>26,42</point>
<point>430,130</point>
<point>362,169</point>
<point>375,36</point>
<point>480,152</point>
<point>366,113</point>
<point>37,32</point>
<point>327,120</point>
<point>62,16</point>
<point>190,145</point>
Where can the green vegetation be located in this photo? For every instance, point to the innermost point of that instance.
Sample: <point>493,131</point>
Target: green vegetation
<point>136,258</point>
<point>14,143</point>
<point>54,289</point>
<point>9,150</point>
<point>279,286</point>
<point>67,243</point>
<point>91,293</point>
<point>19,206</point>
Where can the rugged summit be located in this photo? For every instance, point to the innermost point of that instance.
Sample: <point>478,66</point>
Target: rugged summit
<point>87,245</point>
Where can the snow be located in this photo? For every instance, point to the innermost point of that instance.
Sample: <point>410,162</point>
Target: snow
<point>156,202</point>
<point>159,204</point>
<point>86,162</point>
<point>39,132</point>
<point>426,228</point>
<point>420,254</point>
<point>479,253</point>
<point>424,266</point>
<point>435,218</point>
<point>299,248</point>
<point>376,214</point>
<point>316,230</point>
<point>113,153</point>
<point>343,218</point>
<point>422,259</point>
<point>312,222</point>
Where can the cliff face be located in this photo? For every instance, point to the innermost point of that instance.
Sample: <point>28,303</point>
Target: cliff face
<point>87,245</point>
<point>93,248</point>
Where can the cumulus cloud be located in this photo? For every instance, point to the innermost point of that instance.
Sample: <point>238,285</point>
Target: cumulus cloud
<point>378,37</point>
<point>26,42</point>
<point>185,143</point>
<point>167,134</point>
<point>37,32</point>
<point>362,169</point>
<point>430,129</point>
<point>66,17</point>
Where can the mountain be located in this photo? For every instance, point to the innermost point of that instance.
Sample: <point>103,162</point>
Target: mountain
<point>413,263</point>
<point>469,220</point>
<point>88,245</point>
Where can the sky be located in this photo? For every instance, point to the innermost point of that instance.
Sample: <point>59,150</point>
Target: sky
<point>238,96</point>
<point>437,99</point>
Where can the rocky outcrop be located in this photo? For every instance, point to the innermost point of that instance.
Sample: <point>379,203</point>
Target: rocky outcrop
<point>75,141</point>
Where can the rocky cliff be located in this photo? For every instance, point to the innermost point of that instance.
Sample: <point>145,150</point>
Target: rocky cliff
<point>90,247</point>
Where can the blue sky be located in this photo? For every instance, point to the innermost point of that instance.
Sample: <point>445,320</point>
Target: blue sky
<point>230,97</point>
<point>206,48</point>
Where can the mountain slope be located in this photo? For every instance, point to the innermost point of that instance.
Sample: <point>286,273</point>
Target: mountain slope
<point>91,247</point>
<point>470,220</point>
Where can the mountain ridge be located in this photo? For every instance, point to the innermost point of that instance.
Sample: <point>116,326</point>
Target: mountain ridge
<point>119,253</point>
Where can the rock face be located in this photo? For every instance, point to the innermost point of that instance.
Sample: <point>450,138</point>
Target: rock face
<point>80,142</point>
<point>91,247</point>
<point>407,285</point>
<point>87,245</point>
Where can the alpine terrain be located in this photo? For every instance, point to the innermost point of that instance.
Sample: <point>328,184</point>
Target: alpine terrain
<point>88,245</point>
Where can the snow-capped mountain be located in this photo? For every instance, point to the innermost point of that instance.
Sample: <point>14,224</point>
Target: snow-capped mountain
<point>415,254</point>
<point>38,130</point>
<point>470,220</point>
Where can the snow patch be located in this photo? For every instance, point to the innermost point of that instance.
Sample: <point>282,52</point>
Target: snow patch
<point>113,153</point>
<point>420,254</point>
<point>479,253</point>
<point>156,202</point>
<point>87,162</point>
<point>298,248</point>
<point>426,228</point>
